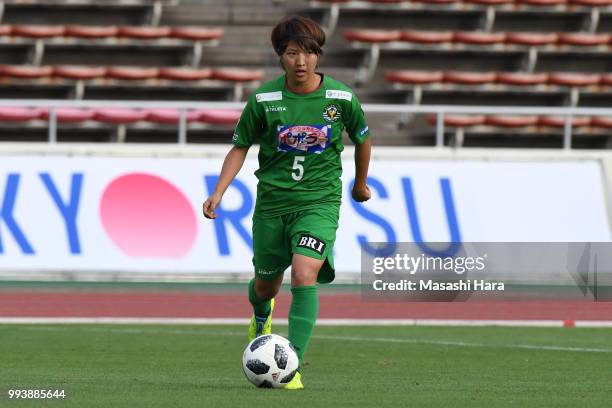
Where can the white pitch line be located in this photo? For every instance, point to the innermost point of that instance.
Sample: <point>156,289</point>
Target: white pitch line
<point>451,343</point>
<point>321,322</point>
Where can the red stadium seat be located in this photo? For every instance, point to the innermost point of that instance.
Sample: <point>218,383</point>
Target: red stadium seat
<point>489,2</point>
<point>436,1</point>
<point>131,73</point>
<point>606,79</point>
<point>18,114</point>
<point>70,115</point>
<point>82,31</point>
<point>414,77</point>
<point>591,3</point>
<point>78,72</point>
<point>185,74</point>
<point>5,29</point>
<point>38,31</point>
<point>237,75</point>
<point>478,37</point>
<point>196,33</point>
<point>511,121</point>
<point>559,121</point>
<point>602,122</point>
<point>219,116</point>
<point>542,3</point>
<point>26,71</point>
<point>170,116</point>
<point>372,36</point>
<point>521,78</point>
<point>584,39</point>
<point>119,116</point>
<point>458,120</point>
<point>531,39</point>
<point>386,1</point>
<point>144,32</point>
<point>427,37</point>
<point>573,79</point>
<point>469,77</point>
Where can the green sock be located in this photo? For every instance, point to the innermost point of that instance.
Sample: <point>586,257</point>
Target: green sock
<point>302,317</point>
<point>261,308</point>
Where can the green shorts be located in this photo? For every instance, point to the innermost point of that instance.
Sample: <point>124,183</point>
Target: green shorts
<point>309,232</point>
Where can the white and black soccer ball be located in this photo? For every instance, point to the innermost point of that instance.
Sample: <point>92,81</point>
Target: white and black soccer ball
<point>270,361</point>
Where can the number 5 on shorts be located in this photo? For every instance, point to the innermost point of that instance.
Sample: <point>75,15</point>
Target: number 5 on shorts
<point>298,168</point>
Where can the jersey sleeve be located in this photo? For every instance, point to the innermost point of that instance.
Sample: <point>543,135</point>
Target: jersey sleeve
<point>356,125</point>
<point>248,126</point>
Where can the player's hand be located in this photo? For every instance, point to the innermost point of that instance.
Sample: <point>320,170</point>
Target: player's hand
<point>210,205</point>
<point>361,193</point>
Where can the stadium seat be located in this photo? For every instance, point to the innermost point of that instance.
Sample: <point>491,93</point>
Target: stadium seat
<point>584,39</point>
<point>144,32</point>
<point>426,37</point>
<point>170,116</point>
<point>119,116</point>
<point>602,122</point>
<point>5,29</point>
<point>531,39</point>
<point>26,71</point>
<point>459,122</point>
<point>478,37</point>
<point>489,2</point>
<point>414,77</point>
<point>542,3</point>
<point>91,32</point>
<point>372,36</point>
<point>38,31</point>
<point>185,74</point>
<point>19,114</point>
<point>511,121</point>
<point>78,72</point>
<point>131,73</point>
<point>591,3</point>
<point>237,75</point>
<point>606,79</point>
<point>468,77</point>
<point>196,33</point>
<point>521,78</point>
<point>559,121</point>
<point>70,115</point>
<point>573,79</point>
<point>219,116</point>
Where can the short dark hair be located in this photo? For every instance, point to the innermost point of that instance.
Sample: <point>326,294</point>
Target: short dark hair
<point>306,33</point>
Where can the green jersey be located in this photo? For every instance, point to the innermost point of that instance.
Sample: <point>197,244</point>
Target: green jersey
<point>300,138</point>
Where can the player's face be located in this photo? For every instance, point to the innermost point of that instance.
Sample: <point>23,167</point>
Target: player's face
<point>299,65</point>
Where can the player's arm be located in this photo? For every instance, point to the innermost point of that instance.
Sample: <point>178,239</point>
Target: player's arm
<point>231,166</point>
<point>361,191</point>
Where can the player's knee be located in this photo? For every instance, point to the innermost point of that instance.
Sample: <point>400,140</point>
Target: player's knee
<point>266,292</point>
<point>303,277</point>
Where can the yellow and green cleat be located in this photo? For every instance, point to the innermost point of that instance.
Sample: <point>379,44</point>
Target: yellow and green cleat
<point>295,383</point>
<point>260,326</point>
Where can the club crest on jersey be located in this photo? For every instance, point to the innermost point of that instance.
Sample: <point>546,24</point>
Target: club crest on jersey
<point>331,113</point>
<point>303,138</point>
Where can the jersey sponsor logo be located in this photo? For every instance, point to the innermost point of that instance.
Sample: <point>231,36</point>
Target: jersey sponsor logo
<point>303,138</point>
<point>269,96</point>
<point>337,94</point>
<point>331,113</point>
<point>276,108</point>
<point>310,242</point>
<point>362,131</point>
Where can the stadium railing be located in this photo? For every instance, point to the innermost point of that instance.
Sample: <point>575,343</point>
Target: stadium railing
<point>568,113</point>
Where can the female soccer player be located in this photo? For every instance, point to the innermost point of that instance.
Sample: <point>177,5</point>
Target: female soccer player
<point>298,120</point>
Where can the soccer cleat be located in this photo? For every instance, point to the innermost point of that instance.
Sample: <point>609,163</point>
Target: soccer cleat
<point>295,383</point>
<point>260,326</point>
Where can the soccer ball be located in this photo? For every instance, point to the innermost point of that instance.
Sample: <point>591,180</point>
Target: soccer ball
<point>270,361</point>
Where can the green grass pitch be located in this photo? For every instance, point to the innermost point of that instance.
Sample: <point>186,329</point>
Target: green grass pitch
<point>200,366</point>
